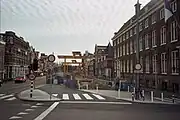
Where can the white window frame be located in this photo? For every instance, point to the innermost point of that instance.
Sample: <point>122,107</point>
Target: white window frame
<point>163,63</point>
<point>147,41</point>
<point>131,66</point>
<point>118,52</point>
<point>127,66</point>
<point>175,62</point>
<point>154,43</point>
<point>174,6</point>
<point>135,30</point>
<point>163,35</point>
<point>174,31</point>
<point>162,14</point>
<point>131,32</point>
<point>131,47</point>
<point>140,43</point>
<point>146,23</point>
<point>154,63</point>
<point>147,64</point>
<point>127,48</point>
<point>124,49</point>
<point>124,37</point>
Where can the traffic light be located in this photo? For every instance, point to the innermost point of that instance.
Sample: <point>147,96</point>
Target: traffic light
<point>35,65</point>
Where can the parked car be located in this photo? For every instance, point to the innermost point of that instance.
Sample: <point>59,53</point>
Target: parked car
<point>20,79</point>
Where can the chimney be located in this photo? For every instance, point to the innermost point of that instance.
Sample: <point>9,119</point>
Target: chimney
<point>137,7</point>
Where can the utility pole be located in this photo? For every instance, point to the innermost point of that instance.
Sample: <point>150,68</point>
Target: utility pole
<point>137,7</point>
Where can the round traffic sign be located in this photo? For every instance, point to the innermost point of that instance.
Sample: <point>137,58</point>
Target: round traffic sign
<point>32,77</point>
<point>138,66</point>
<point>51,58</point>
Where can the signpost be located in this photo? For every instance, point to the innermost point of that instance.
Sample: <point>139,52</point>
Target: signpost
<point>51,59</point>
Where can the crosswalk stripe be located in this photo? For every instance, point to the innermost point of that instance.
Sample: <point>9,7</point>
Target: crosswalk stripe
<point>76,97</point>
<point>1,95</point>
<point>65,97</point>
<point>13,98</point>
<point>87,97</point>
<point>99,97</point>
<point>5,97</point>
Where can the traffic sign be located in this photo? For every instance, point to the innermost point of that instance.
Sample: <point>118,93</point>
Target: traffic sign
<point>51,58</point>
<point>32,76</point>
<point>138,66</point>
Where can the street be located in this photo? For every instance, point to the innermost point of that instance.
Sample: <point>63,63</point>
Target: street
<point>77,105</point>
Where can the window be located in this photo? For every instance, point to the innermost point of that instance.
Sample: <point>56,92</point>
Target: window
<point>127,48</point>
<point>135,29</point>
<point>140,43</point>
<point>153,18</point>
<point>154,38</point>
<point>162,15</point>
<point>141,62</point>
<point>127,35</point>
<point>127,66</point>
<point>155,63</point>
<point>120,39</point>
<point>114,53</point>
<point>173,32</point>
<point>146,41</point>
<point>174,6</point>
<point>131,66</point>
<point>118,52</point>
<point>131,32</point>
<point>146,23</point>
<point>117,41</point>
<point>134,46</point>
<point>140,26</point>
<point>175,62</point>
<point>163,63</point>
<point>131,47</point>
<point>163,35</point>
<point>124,37</point>
<point>124,49</point>
<point>147,64</point>
<point>124,66</point>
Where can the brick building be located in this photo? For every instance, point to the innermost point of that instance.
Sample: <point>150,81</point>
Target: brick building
<point>2,54</point>
<point>104,61</point>
<point>158,47</point>
<point>17,57</point>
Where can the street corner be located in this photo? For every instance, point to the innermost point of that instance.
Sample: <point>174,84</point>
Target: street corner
<point>36,95</point>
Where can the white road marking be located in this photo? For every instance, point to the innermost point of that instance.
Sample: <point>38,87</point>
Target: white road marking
<point>99,97</point>
<point>65,97</point>
<point>40,104</point>
<point>22,113</point>
<point>34,106</point>
<point>15,117</point>
<point>13,98</point>
<point>76,97</point>
<point>87,97</point>
<point>47,111</point>
<point>94,102</point>
<point>2,95</point>
<point>7,96</point>
<point>55,95</point>
<point>40,86</point>
<point>29,110</point>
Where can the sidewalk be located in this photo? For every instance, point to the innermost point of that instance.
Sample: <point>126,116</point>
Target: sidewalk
<point>37,95</point>
<point>124,95</point>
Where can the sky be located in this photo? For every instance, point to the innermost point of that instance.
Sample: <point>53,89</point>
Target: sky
<point>63,26</point>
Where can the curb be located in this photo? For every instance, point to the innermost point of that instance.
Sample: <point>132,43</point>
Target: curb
<point>137,102</point>
<point>35,100</point>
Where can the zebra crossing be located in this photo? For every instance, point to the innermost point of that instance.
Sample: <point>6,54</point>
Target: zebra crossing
<point>9,97</point>
<point>76,96</point>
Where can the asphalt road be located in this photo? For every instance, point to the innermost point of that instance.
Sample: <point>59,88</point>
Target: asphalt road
<point>13,108</point>
<point>114,112</point>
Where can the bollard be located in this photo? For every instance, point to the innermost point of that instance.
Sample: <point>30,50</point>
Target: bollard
<point>143,95</point>
<point>133,96</point>
<point>134,89</point>
<point>119,93</point>
<point>128,88</point>
<point>173,99</point>
<point>152,99</point>
<point>32,87</point>
<point>87,86</point>
<point>97,87</point>
<point>162,97</point>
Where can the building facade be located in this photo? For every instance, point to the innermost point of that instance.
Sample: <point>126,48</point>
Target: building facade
<point>159,47</point>
<point>2,54</point>
<point>104,61</point>
<point>17,57</point>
